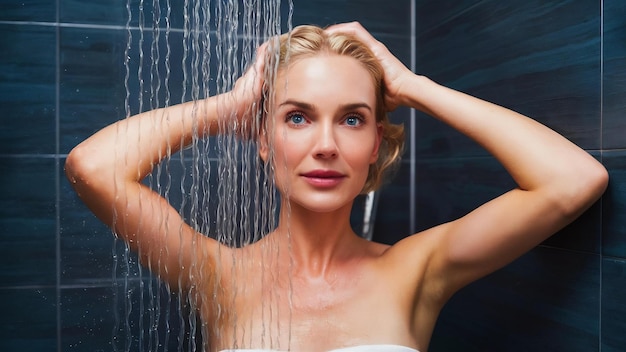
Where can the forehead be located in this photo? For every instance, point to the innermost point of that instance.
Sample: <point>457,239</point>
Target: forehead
<point>328,77</point>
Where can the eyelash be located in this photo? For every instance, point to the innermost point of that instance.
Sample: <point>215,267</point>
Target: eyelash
<point>291,115</point>
<point>358,117</point>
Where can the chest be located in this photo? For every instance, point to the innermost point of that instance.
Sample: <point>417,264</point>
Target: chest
<point>295,313</point>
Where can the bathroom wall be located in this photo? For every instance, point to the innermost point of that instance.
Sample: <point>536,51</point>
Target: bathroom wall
<point>564,64</point>
<point>62,78</point>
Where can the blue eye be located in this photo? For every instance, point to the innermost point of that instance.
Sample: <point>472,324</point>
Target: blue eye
<point>296,119</point>
<point>353,121</point>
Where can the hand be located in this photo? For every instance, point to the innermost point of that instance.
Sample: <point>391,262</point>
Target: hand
<point>396,74</point>
<point>242,103</point>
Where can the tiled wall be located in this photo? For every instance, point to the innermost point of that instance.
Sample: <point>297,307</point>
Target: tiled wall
<point>564,63</point>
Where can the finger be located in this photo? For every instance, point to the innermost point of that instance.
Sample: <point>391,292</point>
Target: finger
<point>252,78</point>
<point>348,27</point>
<point>259,61</point>
<point>355,29</point>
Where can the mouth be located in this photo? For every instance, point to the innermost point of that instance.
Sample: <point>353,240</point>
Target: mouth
<point>323,178</point>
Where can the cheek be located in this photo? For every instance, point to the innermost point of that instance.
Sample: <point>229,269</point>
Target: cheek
<point>288,150</point>
<point>360,149</point>
<point>287,155</point>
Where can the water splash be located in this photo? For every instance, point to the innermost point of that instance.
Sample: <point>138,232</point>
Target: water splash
<point>220,185</point>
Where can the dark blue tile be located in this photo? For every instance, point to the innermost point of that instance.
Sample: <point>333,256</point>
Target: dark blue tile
<point>124,316</point>
<point>430,14</point>
<point>613,305</point>
<point>93,12</point>
<point>28,221</point>
<point>224,16</point>
<point>92,82</point>
<point>548,300</point>
<point>29,10</point>
<point>87,319</point>
<point>614,205</point>
<point>27,89</point>
<point>29,320</point>
<point>93,79</point>
<point>114,13</point>
<point>541,59</point>
<point>393,214</point>
<point>614,78</point>
<point>392,18</point>
<point>450,188</point>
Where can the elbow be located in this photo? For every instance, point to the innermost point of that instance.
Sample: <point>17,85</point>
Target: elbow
<point>82,168</point>
<point>587,187</point>
<point>74,163</point>
<point>595,181</point>
<point>600,181</point>
<point>92,181</point>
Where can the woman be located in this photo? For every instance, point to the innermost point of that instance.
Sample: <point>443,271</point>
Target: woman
<point>328,138</point>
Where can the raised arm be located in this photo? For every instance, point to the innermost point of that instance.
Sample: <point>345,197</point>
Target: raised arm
<point>106,171</point>
<point>557,180</point>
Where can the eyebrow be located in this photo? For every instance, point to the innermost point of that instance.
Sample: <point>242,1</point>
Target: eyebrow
<point>310,107</point>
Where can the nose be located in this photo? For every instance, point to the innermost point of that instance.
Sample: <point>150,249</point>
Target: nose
<point>325,146</point>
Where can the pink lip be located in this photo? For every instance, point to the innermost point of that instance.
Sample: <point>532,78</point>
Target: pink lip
<point>323,178</point>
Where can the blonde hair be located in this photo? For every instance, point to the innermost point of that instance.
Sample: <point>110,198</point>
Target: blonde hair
<point>307,41</point>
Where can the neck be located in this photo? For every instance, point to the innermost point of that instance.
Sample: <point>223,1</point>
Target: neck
<point>316,240</point>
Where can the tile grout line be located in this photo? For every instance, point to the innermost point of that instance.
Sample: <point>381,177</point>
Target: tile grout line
<point>59,24</point>
<point>57,167</point>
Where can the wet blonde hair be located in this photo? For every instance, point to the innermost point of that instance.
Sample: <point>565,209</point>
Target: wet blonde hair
<point>308,41</point>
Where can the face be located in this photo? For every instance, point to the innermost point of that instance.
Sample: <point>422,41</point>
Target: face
<point>324,131</point>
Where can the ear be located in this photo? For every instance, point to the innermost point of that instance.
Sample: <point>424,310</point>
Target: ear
<point>264,149</point>
<point>379,139</point>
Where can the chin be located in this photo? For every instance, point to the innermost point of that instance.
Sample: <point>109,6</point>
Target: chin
<point>322,203</point>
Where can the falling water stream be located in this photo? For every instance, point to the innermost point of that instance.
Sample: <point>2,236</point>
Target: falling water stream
<point>219,183</point>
